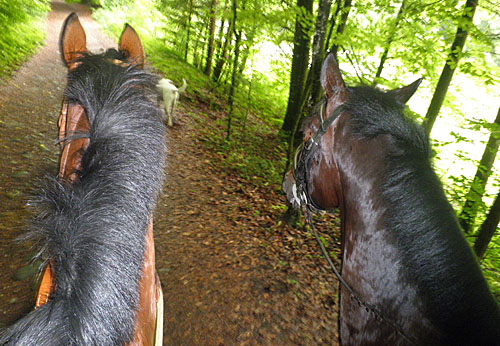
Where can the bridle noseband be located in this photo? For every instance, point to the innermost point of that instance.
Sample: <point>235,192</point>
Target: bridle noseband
<point>303,155</point>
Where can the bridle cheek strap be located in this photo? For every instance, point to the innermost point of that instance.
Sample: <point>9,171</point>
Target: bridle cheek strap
<point>46,286</point>
<point>305,153</point>
<point>73,135</point>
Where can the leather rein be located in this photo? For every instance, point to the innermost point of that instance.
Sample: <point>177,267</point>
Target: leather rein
<point>300,172</point>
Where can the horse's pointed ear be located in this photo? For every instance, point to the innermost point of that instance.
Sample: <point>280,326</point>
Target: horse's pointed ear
<point>332,81</point>
<point>73,43</point>
<point>403,94</point>
<point>131,46</point>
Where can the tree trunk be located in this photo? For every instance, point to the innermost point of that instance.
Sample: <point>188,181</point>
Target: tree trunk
<point>220,35</point>
<point>234,79</point>
<point>188,30</point>
<point>203,39</point>
<point>223,54</point>
<point>390,39</point>
<point>300,62</point>
<point>249,99</point>
<point>451,64</point>
<point>341,26</point>
<point>318,51</point>
<point>249,37</point>
<point>211,38</point>
<point>338,8</point>
<point>488,228</point>
<point>476,189</point>
<point>312,89</point>
<point>196,55</point>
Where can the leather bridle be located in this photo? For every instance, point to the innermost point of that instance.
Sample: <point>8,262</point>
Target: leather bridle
<point>303,156</point>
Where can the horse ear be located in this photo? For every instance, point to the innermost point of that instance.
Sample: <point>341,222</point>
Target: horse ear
<point>73,42</point>
<point>131,46</point>
<point>403,94</point>
<point>332,81</point>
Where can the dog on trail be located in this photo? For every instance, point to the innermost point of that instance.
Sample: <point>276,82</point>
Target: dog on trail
<point>170,95</point>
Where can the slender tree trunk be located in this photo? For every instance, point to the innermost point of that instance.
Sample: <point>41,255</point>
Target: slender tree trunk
<point>389,41</point>
<point>223,54</point>
<point>211,38</point>
<point>249,37</point>
<point>196,54</point>
<point>312,89</point>
<point>300,61</point>
<point>488,228</point>
<point>188,30</point>
<point>234,79</point>
<point>220,35</point>
<point>333,21</point>
<point>318,51</point>
<point>204,44</point>
<point>196,51</point>
<point>476,189</point>
<point>249,100</point>
<point>341,26</point>
<point>451,64</point>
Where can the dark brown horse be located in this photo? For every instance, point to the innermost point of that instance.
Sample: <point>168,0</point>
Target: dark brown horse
<point>403,251</point>
<point>100,286</point>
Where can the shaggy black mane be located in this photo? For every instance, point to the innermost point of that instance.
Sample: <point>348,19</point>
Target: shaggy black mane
<point>375,112</point>
<point>434,254</point>
<point>94,230</point>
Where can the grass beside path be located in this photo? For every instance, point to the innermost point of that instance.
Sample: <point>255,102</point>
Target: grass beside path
<point>23,30</point>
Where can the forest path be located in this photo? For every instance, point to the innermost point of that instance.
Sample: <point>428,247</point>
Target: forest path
<point>228,276</point>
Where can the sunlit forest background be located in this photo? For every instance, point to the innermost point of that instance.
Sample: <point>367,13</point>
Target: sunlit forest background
<point>260,59</point>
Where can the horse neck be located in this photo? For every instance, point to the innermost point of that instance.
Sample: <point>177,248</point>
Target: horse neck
<point>361,166</point>
<point>397,225</point>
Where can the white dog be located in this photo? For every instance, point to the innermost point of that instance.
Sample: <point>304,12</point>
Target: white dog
<point>170,94</point>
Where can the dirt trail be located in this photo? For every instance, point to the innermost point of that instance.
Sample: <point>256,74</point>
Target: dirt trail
<point>227,279</point>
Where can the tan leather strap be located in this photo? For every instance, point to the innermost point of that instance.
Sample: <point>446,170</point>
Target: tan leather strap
<point>159,313</point>
<point>46,286</point>
<point>145,319</point>
<point>72,121</point>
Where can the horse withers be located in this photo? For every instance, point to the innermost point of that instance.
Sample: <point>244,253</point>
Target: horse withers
<point>94,221</point>
<point>403,252</point>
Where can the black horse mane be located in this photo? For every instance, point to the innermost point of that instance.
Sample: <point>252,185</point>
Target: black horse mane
<point>375,112</point>
<point>434,253</point>
<point>94,230</point>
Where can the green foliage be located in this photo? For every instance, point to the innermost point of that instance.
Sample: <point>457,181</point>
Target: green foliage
<point>417,43</point>
<point>257,159</point>
<point>491,265</point>
<point>160,28</point>
<point>22,31</point>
